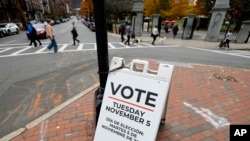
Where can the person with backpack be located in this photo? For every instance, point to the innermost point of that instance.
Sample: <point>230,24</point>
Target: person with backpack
<point>31,34</point>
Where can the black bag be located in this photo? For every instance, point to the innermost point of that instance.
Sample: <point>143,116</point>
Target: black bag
<point>133,35</point>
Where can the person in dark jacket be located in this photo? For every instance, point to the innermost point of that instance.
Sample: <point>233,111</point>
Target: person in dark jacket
<point>175,30</point>
<point>31,34</point>
<point>74,33</point>
<point>36,36</point>
<point>122,31</point>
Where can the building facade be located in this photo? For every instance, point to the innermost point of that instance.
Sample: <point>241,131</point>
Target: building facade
<point>21,11</point>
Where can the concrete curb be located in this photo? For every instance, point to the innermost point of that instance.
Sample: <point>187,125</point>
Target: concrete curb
<point>47,115</point>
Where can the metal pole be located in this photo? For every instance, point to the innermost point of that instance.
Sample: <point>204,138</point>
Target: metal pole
<point>88,13</point>
<point>102,50</point>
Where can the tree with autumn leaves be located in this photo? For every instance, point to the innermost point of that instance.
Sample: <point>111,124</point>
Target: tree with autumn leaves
<point>120,8</point>
<point>114,8</point>
<point>171,9</point>
<point>87,8</point>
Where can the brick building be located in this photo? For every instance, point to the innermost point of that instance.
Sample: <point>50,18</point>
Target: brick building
<point>20,11</point>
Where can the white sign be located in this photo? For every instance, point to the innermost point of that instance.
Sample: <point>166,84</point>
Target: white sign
<point>133,103</point>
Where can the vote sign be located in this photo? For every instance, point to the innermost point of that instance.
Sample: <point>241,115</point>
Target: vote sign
<point>132,106</point>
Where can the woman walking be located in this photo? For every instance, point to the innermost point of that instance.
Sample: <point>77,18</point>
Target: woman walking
<point>51,36</point>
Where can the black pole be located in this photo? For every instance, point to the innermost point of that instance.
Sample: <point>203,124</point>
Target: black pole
<point>102,50</point>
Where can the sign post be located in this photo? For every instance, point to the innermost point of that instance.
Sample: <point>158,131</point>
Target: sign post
<point>134,102</point>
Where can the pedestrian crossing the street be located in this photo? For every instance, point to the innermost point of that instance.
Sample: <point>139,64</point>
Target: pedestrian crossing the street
<point>22,49</point>
<point>8,50</point>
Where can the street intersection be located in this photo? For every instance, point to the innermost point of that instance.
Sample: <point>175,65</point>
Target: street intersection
<point>10,50</point>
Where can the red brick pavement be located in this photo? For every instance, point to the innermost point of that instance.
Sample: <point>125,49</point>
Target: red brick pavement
<point>194,91</point>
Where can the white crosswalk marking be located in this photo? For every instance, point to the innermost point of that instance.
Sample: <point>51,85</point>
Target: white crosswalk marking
<point>80,47</point>
<point>41,50</point>
<point>112,46</point>
<point>63,48</point>
<point>22,50</point>
<point>4,50</point>
<point>10,50</point>
<point>122,44</point>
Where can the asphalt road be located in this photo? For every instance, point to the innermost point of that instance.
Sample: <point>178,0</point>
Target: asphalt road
<point>33,84</point>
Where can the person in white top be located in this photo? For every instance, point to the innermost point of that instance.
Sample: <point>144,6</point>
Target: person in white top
<point>51,36</point>
<point>128,32</point>
<point>228,38</point>
<point>154,34</point>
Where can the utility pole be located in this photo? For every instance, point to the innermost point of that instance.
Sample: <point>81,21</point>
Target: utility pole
<point>102,50</point>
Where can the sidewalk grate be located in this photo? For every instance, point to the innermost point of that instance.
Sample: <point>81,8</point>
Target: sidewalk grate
<point>224,77</point>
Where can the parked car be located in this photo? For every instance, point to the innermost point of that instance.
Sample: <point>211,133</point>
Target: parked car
<point>92,26</point>
<point>9,28</point>
<point>57,21</point>
<point>40,31</point>
<point>33,21</point>
<point>1,33</point>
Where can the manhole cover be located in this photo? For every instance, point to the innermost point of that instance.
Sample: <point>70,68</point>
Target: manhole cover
<point>224,77</point>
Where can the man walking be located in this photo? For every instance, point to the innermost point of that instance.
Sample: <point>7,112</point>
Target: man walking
<point>154,34</point>
<point>128,32</point>
<point>122,31</point>
<point>175,30</point>
<point>228,38</point>
<point>31,34</point>
<point>74,33</point>
<point>51,36</point>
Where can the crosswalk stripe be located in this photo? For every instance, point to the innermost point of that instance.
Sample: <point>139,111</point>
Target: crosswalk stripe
<point>122,44</point>
<point>22,50</point>
<point>5,50</point>
<point>146,44</point>
<point>63,47</point>
<point>137,45</point>
<point>80,47</point>
<point>112,46</point>
<point>41,50</point>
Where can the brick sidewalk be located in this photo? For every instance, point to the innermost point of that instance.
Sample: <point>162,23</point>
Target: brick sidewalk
<point>203,101</point>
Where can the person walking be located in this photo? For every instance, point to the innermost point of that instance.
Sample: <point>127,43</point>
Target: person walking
<point>51,36</point>
<point>128,33</point>
<point>175,30</point>
<point>122,31</point>
<point>31,34</point>
<point>228,38</point>
<point>36,38</point>
<point>74,33</point>
<point>154,34</point>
